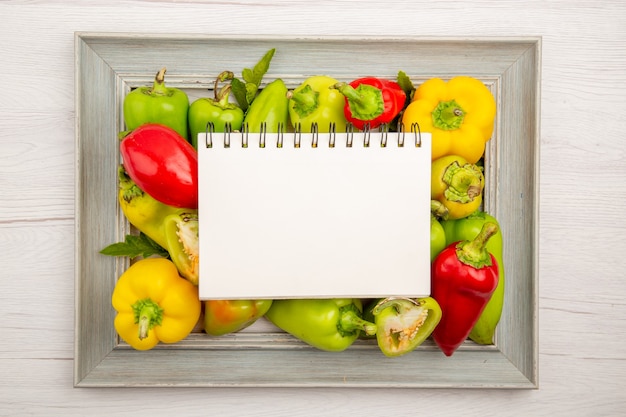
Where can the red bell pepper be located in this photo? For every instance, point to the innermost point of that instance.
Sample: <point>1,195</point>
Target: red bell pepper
<point>463,278</point>
<point>371,101</point>
<point>163,164</point>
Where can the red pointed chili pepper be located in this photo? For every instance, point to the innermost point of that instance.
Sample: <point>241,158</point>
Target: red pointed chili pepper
<point>371,101</point>
<point>463,278</point>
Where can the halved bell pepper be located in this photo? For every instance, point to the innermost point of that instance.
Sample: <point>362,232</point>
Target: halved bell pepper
<point>154,304</point>
<point>404,323</point>
<point>229,316</point>
<point>457,184</point>
<point>327,324</point>
<point>459,113</point>
<point>218,111</point>
<point>315,102</point>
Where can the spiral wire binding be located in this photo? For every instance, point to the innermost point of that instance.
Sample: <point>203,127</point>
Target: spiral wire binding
<point>297,135</point>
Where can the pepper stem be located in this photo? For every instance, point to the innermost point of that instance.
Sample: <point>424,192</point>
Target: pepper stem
<point>474,252</point>
<point>365,101</point>
<point>351,321</point>
<point>306,100</point>
<point>438,210</point>
<point>158,88</point>
<point>147,315</point>
<point>464,182</point>
<point>221,94</point>
<point>448,115</point>
<point>128,187</point>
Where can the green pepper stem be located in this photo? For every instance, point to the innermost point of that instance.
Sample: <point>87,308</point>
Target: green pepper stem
<point>448,115</point>
<point>159,87</point>
<point>438,210</point>
<point>147,314</point>
<point>365,102</point>
<point>474,252</point>
<point>221,94</point>
<point>350,322</point>
<point>127,185</point>
<point>464,183</point>
<point>306,100</point>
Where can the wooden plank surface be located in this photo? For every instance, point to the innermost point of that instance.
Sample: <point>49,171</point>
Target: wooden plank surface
<point>581,352</point>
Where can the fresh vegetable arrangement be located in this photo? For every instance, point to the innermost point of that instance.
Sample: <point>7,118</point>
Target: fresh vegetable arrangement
<point>156,299</point>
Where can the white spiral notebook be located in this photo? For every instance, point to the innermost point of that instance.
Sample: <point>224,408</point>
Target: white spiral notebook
<point>314,215</point>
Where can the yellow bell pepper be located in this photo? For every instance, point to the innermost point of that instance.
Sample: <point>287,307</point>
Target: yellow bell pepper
<point>154,304</point>
<point>457,184</point>
<point>459,114</point>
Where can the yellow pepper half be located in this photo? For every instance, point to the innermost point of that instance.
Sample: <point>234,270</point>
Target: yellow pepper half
<point>154,304</point>
<point>459,114</point>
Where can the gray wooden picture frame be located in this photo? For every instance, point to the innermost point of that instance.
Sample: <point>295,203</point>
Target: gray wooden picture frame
<point>108,65</point>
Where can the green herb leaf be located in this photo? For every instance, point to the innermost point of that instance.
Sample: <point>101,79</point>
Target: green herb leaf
<point>248,76</point>
<point>134,246</point>
<point>238,89</point>
<point>262,67</point>
<point>251,90</point>
<point>245,91</point>
<point>406,84</point>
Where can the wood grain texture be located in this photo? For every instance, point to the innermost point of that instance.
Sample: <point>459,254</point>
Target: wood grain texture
<point>582,308</point>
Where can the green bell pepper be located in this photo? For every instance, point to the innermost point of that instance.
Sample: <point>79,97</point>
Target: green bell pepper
<point>467,229</point>
<point>404,323</point>
<point>269,109</point>
<point>218,111</point>
<point>327,324</point>
<point>315,102</point>
<point>438,241</point>
<point>157,104</point>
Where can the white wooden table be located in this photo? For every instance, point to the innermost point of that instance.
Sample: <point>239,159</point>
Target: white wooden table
<point>582,357</point>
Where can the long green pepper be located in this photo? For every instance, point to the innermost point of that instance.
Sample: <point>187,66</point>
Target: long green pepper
<point>269,111</point>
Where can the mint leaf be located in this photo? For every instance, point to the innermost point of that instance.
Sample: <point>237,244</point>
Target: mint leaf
<point>245,91</point>
<point>406,84</point>
<point>248,76</point>
<point>240,93</point>
<point>251,90</point>
<point>134,246</point>
<point>262,67</point>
